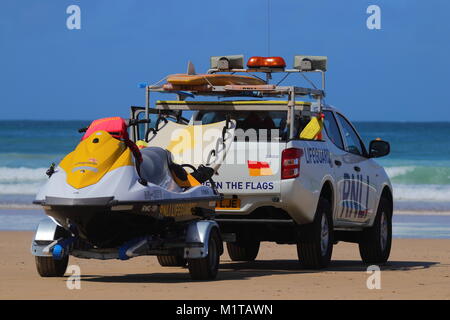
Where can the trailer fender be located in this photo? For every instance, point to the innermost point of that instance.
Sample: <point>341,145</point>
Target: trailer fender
<point>46,233</point>
<point>197,237</point>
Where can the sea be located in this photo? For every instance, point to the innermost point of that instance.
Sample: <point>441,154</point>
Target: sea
<point>418,166</point>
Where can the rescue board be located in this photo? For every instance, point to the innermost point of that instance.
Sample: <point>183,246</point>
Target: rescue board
<point>212,79</point>
<point>312,129</point>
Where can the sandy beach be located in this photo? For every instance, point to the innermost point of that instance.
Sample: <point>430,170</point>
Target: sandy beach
<point>418,269</point>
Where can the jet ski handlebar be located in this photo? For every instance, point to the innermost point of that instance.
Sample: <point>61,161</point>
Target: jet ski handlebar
<point>133,122</point>
<point>130,122</point>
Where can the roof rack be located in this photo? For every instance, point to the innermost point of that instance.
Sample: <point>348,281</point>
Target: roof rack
<point>267,65</point>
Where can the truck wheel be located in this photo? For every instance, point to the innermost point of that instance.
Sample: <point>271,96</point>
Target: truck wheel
<point>171,261</point>
<point>243,251</point>
<point>49,267</point>
<point>375,242</point>
<point>315,244</point>
<point>206,268</point>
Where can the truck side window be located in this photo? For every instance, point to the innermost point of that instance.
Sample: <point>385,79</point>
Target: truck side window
<point>351,137</point>
<point>332,129</point>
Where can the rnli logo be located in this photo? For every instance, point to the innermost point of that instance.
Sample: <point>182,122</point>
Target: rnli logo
<point>355,196</point>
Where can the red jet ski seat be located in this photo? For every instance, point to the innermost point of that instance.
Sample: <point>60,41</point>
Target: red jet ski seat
<point>116,127</point>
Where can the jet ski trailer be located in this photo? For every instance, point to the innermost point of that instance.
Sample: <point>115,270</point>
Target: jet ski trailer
<point>110,199</point>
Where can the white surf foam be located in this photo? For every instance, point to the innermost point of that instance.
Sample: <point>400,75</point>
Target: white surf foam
<point>27,181</point>
<point>18,175</point>
<point>393,172</point>
<point>21,180</point>
<point>20,188</point>
<point>422,192</point>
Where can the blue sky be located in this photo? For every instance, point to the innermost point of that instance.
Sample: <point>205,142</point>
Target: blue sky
<point>398,73</point>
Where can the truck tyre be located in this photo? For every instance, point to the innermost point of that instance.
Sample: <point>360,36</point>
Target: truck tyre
<point>49,267</point>
<point>375,242</point>
<point>315,244</point>
<point>206,268</point>
<point>243,251</point>
<point>171,261</point>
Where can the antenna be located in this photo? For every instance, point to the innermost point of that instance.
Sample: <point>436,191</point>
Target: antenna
<point>268,28</point>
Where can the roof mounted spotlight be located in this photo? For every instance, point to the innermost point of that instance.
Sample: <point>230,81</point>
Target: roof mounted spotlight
<point>224,63</point>
<point>310,63</point>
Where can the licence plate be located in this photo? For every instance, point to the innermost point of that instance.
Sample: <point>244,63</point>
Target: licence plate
<point>228,204</point>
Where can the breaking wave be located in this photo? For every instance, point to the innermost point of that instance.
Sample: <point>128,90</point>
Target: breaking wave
<point>21,180</point>
<point>431,192</point>
<point>410,183</point>
<point>419,175</point>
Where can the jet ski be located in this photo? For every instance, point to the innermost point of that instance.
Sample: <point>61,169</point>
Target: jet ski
<point>108,191</point>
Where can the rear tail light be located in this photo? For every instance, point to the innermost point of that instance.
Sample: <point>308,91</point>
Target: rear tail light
<point>290,163</point>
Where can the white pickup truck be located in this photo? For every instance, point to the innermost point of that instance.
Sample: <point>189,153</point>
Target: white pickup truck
<point>282,185</point>
<point>312,193</point>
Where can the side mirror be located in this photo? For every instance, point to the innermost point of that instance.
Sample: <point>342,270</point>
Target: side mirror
<point>379,148</point>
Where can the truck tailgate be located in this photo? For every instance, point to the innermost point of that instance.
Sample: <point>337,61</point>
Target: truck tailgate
<point>251,171</point>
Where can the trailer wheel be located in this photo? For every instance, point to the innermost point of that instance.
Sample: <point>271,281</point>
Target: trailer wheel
<point>171,261</point>
<point>206,268</point>
<point>49,267</point>
<point>243,251</point>
<point>315,243</point>
<point>375,242</point>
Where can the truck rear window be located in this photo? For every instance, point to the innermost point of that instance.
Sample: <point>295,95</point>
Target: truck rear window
<point>247,119</point>
<point>260,121</point>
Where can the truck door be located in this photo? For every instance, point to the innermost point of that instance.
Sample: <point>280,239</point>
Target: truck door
<point>357,192</point>
<point>337,156</point>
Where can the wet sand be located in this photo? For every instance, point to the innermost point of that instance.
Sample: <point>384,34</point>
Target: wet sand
<point>418,269</point>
